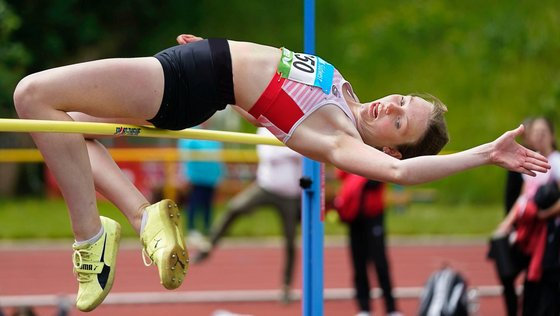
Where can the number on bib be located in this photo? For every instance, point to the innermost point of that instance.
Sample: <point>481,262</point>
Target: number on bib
<point>307,69</point>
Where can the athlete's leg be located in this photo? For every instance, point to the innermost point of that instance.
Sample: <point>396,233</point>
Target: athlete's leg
<point>195,198</point>
<point>244,202</point>
<point>358,251</point>
<point>109,179</point>
<point>289,214</point>
<point>113,184</point>
<point>208,202</point>
<point>378,253</point>
<point>126,88</point>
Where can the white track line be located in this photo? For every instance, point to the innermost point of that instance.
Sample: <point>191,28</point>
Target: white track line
<point>216,296</point>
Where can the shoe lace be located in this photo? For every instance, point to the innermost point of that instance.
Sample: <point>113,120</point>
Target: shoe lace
<point>78,258</point>
<point>146,255</point>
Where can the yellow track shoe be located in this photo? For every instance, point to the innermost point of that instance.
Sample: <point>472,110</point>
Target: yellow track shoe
<point>164,243</point>
<point>94,266</point>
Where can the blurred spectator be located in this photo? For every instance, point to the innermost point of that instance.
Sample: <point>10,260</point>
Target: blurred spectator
<point>203,177</point>
<point>548,290</point>
<point>528,228</point>
<point>277,185</point>
<point>360,204</point>
<point>516,259</point>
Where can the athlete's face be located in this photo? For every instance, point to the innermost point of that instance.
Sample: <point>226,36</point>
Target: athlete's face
<point>394,120</point>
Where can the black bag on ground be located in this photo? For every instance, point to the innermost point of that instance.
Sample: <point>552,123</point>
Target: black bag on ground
<point>445,294</point>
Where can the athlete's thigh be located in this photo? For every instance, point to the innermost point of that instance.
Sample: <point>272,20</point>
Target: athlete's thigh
<point>82,117</point>
<point>119,87</point>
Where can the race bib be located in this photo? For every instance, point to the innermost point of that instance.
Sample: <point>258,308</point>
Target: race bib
<point>307,69</point>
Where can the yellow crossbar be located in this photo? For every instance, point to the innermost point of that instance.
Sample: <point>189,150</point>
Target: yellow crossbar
<point>110,129</point>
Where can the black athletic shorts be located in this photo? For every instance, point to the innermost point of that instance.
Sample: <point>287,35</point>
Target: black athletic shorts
<point>198,82</point>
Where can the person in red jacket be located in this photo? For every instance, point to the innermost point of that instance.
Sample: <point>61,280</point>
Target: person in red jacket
<point>360,204</point>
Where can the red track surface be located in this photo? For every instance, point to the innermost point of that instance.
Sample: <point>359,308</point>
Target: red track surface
<point>36,269</point>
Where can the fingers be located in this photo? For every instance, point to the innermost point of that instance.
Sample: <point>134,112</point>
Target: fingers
<point>187,38</point>
<point>516,132</point>
<point>534,162</point>
<point>180,39</point>
<point>530,166</point>
<point>538,160</point>
<point>184,39</point>
<point>535,167</point>
<point>526,171</point>
<point>535,155</point>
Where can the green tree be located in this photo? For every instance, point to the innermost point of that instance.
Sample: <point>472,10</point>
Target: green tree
<point>13,58</point>
<point>58,32</point>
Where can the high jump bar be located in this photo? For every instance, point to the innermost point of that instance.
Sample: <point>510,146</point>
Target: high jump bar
<point>115,130</point>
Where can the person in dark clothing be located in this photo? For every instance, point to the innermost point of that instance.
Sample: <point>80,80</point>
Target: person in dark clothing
<point>514,182</point>
<point>360,204</point>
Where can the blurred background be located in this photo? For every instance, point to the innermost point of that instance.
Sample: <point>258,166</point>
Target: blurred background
<point>492,63</point>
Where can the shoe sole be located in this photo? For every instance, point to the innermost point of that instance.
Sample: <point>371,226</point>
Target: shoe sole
<point>176,257</point>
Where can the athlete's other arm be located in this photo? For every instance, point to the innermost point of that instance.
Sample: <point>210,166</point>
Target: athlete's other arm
<point>187,38</point>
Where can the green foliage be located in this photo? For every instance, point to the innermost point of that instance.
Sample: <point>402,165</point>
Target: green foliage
<point>42,218</point>
<point>13,57</point>
<point>62,31</point>
<point>442,219</point>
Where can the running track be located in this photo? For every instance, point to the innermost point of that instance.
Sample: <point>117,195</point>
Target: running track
<point>249,270</point>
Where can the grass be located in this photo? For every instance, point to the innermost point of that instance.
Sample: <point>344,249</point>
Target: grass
<point>35,218</point>
<point>445,220</point>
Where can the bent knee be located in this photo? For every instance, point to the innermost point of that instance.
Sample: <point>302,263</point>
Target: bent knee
<point>27,97</point>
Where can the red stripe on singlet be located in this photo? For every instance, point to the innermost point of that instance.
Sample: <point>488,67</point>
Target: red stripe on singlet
<point>277,106</point>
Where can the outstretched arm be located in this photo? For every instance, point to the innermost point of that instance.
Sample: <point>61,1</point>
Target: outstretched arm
<point>352,155</point>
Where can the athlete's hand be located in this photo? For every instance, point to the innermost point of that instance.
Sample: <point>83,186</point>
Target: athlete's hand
<point>507,153</point>
<point>187,38</point>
